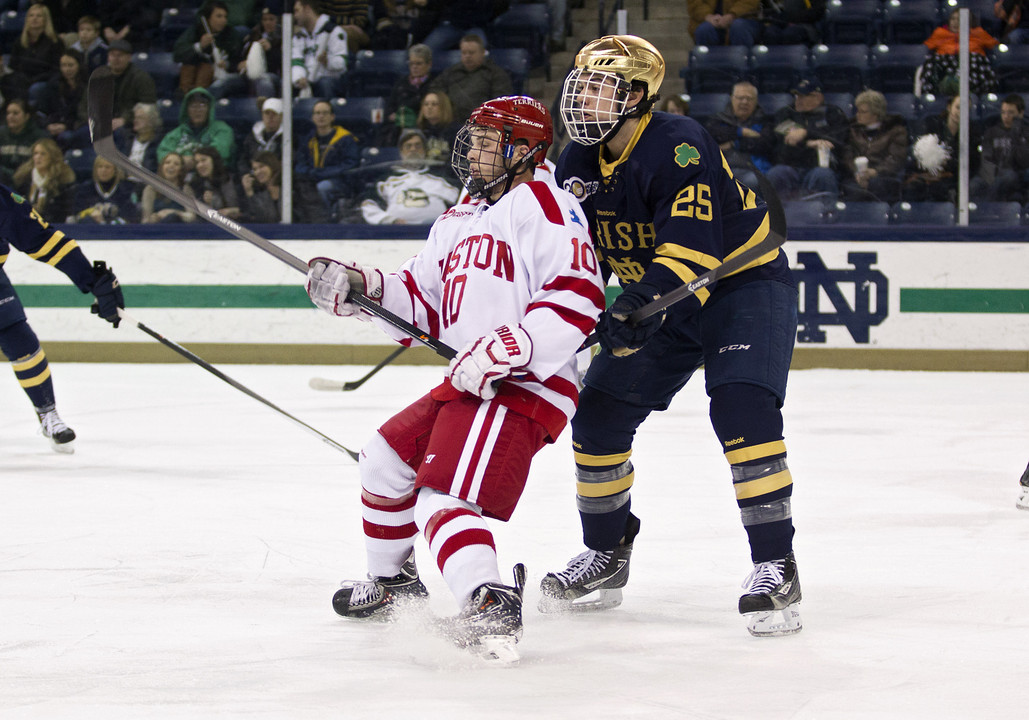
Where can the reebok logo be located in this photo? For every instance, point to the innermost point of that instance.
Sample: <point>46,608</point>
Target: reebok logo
<point>736,441</point>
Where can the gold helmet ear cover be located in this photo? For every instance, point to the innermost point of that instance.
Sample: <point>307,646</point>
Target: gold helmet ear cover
<point>631,58</point>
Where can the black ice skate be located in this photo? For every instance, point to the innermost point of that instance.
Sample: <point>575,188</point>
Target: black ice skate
<point>377,598</point>
<point>593,580</point>
<point>61,436</point>
<point>491,623</point>
<point>1023,491</point>
<point>771,598</point>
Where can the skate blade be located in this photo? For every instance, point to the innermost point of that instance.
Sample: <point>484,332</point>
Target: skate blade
<point>1022,503</point>
<point>596,601</point>
<point>67,448</point>
<point>775,623</point>
<point>498,649</point>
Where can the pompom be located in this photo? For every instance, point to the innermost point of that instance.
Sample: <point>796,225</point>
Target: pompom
<point>931,154</point>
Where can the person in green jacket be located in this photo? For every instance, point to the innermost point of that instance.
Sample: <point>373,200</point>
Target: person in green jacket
<point>198,127</point>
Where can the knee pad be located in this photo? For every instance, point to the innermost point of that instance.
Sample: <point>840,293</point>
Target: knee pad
<point>382,471</point>
<point>604,425</point>
<point>18,341</point>
<point>745,415</point>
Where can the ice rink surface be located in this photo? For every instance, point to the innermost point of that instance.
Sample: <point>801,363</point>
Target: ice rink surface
<point>180,564</point>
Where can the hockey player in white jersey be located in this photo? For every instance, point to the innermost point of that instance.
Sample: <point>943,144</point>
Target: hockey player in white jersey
<point>512,281</point>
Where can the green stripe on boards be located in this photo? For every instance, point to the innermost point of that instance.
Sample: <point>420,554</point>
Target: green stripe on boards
<point>175,296</point>
<point>932,300</point>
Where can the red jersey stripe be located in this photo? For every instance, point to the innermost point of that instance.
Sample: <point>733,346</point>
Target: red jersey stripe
<point>551,210</point>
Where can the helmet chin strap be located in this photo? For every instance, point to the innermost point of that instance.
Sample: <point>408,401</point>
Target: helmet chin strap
<point>638,110</point>
<point>509,175</point>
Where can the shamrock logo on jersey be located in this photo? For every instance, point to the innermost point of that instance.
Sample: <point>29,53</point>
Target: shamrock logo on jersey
<point>686,154</point>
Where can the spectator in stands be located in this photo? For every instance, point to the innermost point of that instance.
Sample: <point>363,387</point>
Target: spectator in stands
<point>811,135</point>
<point>12,84</point>
<point>198,127</point>
<point>675,105</point>
<point>940,71</point>
<point>242,13</point>
<point>791,22</point>
<point>90,44</point>
<point>353,16</point>
<point>213,183</point>
<point>47,182</point>
<point>264,136</point>
<point>136,23</point>
<point>65,14</point>
<point>1005,156</point>
<point>460,18</point>
<point>37,52</point>
<point>262,56</point>
<point>1015,28</point>
<point>875,151</point>
<point>409,193</point>
<point>437,123</point>
<point>132,84</point>
<point>17,137</point>
<point>107,198</point>
<point>473,80</point>
<point>932,176</point>
<point>139,140</point>
<point>405,98</point>
<point>319,52</point>
<point>156,208</point>
<point>210,51</point>
<point>402,23</point>
<point>721,22</point>
<point>325,157</point>
<point>262,189</point>
<point>60,103</point>
<point>745,133</point>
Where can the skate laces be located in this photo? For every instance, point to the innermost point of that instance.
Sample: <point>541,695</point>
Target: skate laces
<point>764,578</point>
<point>364,591</point>
<point>585,565</point>
<point>52,423</point>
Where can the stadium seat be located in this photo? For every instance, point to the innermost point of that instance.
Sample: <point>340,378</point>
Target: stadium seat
<point>1011,63</point>
<point>851,22</point>
<point>80,160</point>
<point>997,214</point>
<point>374,72</point>
<point>804,212</point>
<point>361,116</point>
<point>771,103</point>
<point>174,22</point>
<point>776,69</point>
<point>526,27</point>
<point>704,105</point>
<point>716,69</point>
<point>893,67</point>
<point>162,68</point>
<point>169,111</point>
<point>372,156</point>
<point>904,104</point>
<point>442,60</point>
<point>11,23</point>
<point>516,61</point>
<point>923,213</point>
<point>239,112</point>
<point>910,22</point>
<point>840,68</point>
<point>843,100</point>
<point>860,213</point>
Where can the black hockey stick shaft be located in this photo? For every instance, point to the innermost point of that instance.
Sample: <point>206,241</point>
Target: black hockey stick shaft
<point>100,103</point>
<point>225,378</point>
<point>354,384</point>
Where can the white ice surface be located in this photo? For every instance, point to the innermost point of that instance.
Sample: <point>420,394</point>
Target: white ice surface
<point>180,563</point>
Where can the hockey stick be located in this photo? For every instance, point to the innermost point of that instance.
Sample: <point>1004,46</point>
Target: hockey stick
<point>318,383</point>
<point>774,239</point>
<point>100,102</point>
<point>239,386</point>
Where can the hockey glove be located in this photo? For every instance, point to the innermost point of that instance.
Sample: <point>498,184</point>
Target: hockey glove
<point>329,282</point>
<point>492,357</point>
<point>615,333</point>
<point>108,293</point>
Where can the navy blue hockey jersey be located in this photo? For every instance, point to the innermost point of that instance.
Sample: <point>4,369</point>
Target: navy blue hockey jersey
<point>669,209</point>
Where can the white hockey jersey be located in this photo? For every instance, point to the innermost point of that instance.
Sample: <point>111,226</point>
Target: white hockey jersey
<point>413,196</point>
<point>527,259</point>
<point>328,38</point>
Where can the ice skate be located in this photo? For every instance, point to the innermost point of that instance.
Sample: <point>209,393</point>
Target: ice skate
<point>593,580</point>
<point>378,597</point>
<point>490,625</point>
<point>61,437</point>
<point>1023,491</point>
<point>771,598</point>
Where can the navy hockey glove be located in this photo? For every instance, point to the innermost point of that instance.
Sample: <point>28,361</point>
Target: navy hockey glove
<point>616,335</point>
<point>108,293</point>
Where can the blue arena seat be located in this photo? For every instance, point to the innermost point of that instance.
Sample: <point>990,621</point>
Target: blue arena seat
<point>442,60</point>
<point>11,24</point>
<point>526,27</point>
<point>893,67</point>
<point>174,22</point>
<point>776,69</point>
<point>169,112</point>
<point>162,68</point>
<point>704,105</point>
<point>771,103</point>
<point>905,104</point>
<point>840,68</point>
<point>1011,63</point>
<point>997,214</point>
<point>373,156</point>
<point>910,22</point>
<point>239,112</point>
<point>804,212</point>
<point>516,61</point>
<point>860,213</point>
<point>843,100</point>
<point>80,160</point>
<point>923,213</point>
<point>716,69</point>
<point>374,72</point>
<point>851,22</point>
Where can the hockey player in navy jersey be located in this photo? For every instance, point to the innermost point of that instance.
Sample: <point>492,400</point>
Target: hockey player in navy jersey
<point>23,228</point>
<point>511,279</point>
<point>664,208</point>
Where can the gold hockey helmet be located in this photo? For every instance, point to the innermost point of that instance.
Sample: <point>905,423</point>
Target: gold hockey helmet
<point>630,57</point>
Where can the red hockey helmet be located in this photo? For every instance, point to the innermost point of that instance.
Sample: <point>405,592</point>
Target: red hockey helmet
<point>518,117</point>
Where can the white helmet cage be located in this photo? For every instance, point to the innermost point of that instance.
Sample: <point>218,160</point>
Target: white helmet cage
<point>593,104</point>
